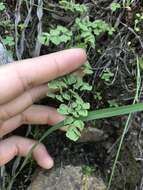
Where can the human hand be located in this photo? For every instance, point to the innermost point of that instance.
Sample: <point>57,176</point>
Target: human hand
<point>21,84</point>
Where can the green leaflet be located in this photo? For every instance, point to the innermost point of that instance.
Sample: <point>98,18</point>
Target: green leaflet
<point>2,7</point>
<point>74,132</point>
<point>115,6</point>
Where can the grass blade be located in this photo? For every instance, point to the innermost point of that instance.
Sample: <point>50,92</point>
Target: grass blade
<point>111,112</point>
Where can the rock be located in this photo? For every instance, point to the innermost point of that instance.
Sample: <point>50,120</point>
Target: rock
<point>65,178</point>
<point>92,134</point>
<point>4,56</point>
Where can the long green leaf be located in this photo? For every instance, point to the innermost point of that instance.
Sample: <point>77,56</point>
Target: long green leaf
<point>111,112</point>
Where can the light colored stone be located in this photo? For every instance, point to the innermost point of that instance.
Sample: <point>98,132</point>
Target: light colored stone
<point>65,178</point>
<point>4,56</point>
<point>92,134</point>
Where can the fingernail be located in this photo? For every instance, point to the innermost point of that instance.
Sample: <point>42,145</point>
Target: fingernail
<point>49,163</point>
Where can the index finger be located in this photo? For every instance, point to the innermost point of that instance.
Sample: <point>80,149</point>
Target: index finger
<point>17,78</point>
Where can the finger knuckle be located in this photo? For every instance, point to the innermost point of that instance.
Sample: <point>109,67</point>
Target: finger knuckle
<point>5,114</point>
<point>25,82</point>
<point>57,66</point>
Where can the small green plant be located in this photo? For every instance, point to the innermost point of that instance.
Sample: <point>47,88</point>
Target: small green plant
<point>113,103</point>
<point>6,24</point>
<point>115,6</point>
<point>66,90</point>
<point>107,75</point>
<point>73,7</point>
<point>98,96</point>
<point>56,36</point>
<point>88,31</point>
<point>22,26</point>
<point>138,21</point>
<point>5,20</point>
<point>8,41</point>
<point>2,7</point>
<point>88,170</point>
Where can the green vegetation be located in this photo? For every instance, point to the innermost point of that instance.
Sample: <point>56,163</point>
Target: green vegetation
<point>107,75</point>
<point>138,22</point>
<point>98,96</point>
<point>112,103</point>
<point>87,33</point>
<point>115,6</point>
<point>56,36</point>
<point>70,6</point>
<point>88,170</point>
<point>6,28</point>
<point>2,7</point>
<point>8,41</point>
<point>66,90</point>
